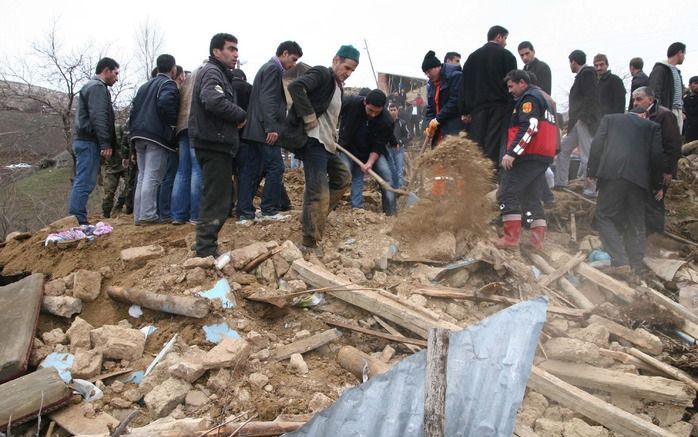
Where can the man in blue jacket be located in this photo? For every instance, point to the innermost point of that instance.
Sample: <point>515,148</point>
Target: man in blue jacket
<point>441,116</point>
<point>152,124</point>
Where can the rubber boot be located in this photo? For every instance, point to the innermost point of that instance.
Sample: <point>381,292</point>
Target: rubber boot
<point>512,232</point>
<point>537,237</point>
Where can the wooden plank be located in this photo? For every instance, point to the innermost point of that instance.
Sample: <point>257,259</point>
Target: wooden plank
<point>570,290</point>
<point>573,227</point>
<point>664,367</point>
<point>395,332</point>
<point>655,388</point>
<point>624,358</point>
<point>22,398</point>
<point>366,331</point>
<point>619,289</point>
<point>435,383</point>
<point>645,341</point>
<point>592,407</point>
<point>73,420</point>
<point>305,345</point>
<point>690,319</point>
<point>562,270</point>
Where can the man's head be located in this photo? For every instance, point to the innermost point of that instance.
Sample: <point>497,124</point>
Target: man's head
<point>517,82</point>
<point>498,35</point>
<point>345,62</point>
<point>166,64</point>
<point>288,53</point>
<point>374,102</point>
<point>643,97</point>
<point>431,66</point>
<point>635,66</point>
<point>527,53</point>
<point>577,60</point>
<point>108,70</point>
<point>224,47</point>
<point>180,76</point>
<point>693,84</point>
<point>601,64</point>
<point>676,53</point>
<point>452,58</point>
<point>394,111</point>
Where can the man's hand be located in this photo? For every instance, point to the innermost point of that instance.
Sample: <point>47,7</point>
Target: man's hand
<point>431,128</point>
<point>659,195</point>
<point>666,179</point>
<point>466,118</point>
<point>508,162</point>
<point>272,137</point>
<point>105,152</point>
<point>242,124</point>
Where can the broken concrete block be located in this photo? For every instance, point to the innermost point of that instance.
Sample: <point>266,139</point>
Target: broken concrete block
<point>39,352</point>
<point>571,349</point>
<point>266,272</point>
<point>165,397</point>
<point>319,402</point>
<point>54,337</point>
<point>121,403</point>
<point>137,256</point>
<point>205,263</point>
<point>594,333</point>
<point>290,252</point>
<point>258,380</point>
<point>549,428</point>
<point>298,365</point>
<point>387,354</point>
<point>355,275</point>
<point>296,285</point>
<point>62,306</point>
<point>280,265</point>
<point>457,310</point>
<point>54,288</point>
<point>87,285</point>
<point>190,367</point>
<point>240,257</point>
<point>196,399</point>
<point>106,272</point>
<point>579,428</point>
<point>87,363</point>
<point>228,353</point>
<point>79,334</point>
<point>256,339</point>
<point>196,276</point>
<point>220,381</point>
<point>118,343</point>
<point>533,407</point>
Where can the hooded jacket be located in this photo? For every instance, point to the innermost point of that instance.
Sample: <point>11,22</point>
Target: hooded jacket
<point>154,112</point>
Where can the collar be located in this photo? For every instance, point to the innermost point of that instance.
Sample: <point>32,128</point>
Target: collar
<point>278,62</point>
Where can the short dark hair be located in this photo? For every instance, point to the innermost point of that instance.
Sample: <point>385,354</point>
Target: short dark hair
<point>601,57</point>
<point>694,79</point>
<point>106,63</point>
<point>292,47</point>
<point>675,48</point>
<point>218,41</point>
<point>180,70</point>
<point>376,98</point>
<point>517,76</point>
<point>495,31</point>
<point>451,55</point>
<point>526,45</point>
<point>578,56</point>
<point>637,63</point>
<point>165,63</point>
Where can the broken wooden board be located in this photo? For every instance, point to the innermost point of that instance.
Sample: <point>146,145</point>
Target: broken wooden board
<point>22,398</point>
<point>21,303</point>
<point>395,332</point>
<point>644,340</point>
<point>371,332</point>
<point>73,420</point>
<point>566,286</point>
<point>305,345</point>
<point>664,367</point>
<point>654,388</point>
<point>562,270</point>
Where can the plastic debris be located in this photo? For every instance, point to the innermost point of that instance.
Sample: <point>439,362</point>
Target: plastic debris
<point>223,260</point>
<point>60,361</point>
<point>220,291</point>
<point>89,232</point>
<point>309,300</point>
<point>165,349</point>
<point>135,311</point>
<point>599,258</point>
<point>87,390</point>
<point>148,330</point>
<point>136,377</point>
<point>215,333</point>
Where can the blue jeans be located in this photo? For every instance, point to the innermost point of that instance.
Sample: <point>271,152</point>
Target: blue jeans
<point>86,171</point>
<point>397,156</point>
<point>152,163</point>
<point>259,160</point>
<point>383,168</point>
<point>186,193</point>
<point>165,192</point>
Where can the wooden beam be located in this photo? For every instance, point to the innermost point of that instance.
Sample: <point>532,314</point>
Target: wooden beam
<point>562,270</point>
<point>592,407</point>
<point>664,367</point>
<point>621,290</point>
<point>570,290</point>
<point>189,306</point>
<point>305,345</point>
<point>624,358</point>
<point>645,341</point>
<point>435,383</point>
<point>366,331</point>
<point>395,332</point>
<point>360,364</point>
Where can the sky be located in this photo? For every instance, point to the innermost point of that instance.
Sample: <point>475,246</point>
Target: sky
<point>398,33</point>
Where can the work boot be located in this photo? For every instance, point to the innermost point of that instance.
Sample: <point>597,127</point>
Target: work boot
<point>537,237</point>
<point>512,232</point>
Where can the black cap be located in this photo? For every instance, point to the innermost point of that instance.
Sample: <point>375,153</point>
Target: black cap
<point>430,61</point>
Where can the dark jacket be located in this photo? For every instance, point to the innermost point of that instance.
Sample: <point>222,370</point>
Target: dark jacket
<point>690,124</point>
<point>154,112</point>
<point>379,129</point>
<point>482,84</point>
<point>671,137</point>
<point>638,81</point>
<point>584,100</point>
<point>400,132</point>
<point>662,83</point>
<point>628,147</point>
<point>542,72</point>
<point>214,114</point>
<point>243,92</point>
<point>267,103</point>
<point>448,115</point>
<point>94,119</point>
<point>611,94</point>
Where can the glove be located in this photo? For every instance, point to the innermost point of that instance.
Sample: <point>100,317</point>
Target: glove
<point>431,128</point>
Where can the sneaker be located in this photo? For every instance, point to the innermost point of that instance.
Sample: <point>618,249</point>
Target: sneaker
<point>178,222</point>
<point>193,222</point>
<point>278,217</point>
<point>245,221</point>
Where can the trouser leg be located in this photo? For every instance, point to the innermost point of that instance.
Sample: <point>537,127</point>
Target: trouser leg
<point>609,216</point>
<point>216,172</point>
<point>562,160</point>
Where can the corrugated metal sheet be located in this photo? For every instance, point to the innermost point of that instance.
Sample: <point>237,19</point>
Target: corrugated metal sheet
<point>488,368</point>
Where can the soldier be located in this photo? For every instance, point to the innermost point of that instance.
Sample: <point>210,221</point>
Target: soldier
<point>113,170</point>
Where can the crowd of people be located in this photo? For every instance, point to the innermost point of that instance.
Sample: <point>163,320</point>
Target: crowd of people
<point>190,135</point>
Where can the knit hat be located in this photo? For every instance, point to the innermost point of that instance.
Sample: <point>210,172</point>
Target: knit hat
<point>348,51</point>
<point>430,61</point>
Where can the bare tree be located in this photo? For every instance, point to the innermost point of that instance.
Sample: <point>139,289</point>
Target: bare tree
<point>149,42</point>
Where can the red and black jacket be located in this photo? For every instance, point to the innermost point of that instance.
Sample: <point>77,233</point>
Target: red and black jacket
<point>533,130</point>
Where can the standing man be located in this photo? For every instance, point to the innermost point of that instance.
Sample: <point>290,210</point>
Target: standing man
<point>397,151</point>
<point>611,88</point>
<point>690,110</point>
<point>639,78</point>
<point>583,119</point>
<point>442,117</point>
<point>266,114</point>
<point>152,125</point>
<point>114,170</point>
<point>317,102</point>
<point>214,120</point>
<point>666,82</point>
<point>94,135</point>
<point>484,100</point>
<point>531,145</point>
<point>534,65</point>
<point>626,158</point>
<point>452,58</point>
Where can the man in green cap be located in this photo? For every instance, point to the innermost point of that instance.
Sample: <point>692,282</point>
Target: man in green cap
<point>317,101</point>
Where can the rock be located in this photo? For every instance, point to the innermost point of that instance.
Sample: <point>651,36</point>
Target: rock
<point>266,272</point>
<point>319,402</point>
<point>87,363</point>
<point>559,414</point>
<point>549,428</point>
<point>62,306</point>
<point>228,353</point>
<point>456,310</point>
<point>571,349</point>
<point>39,352</point>
<point>268,388</point>
<point>594,333</point>
<point>418,300</point>
<point>242,278</point>
<point>296,285</point>
<point>190,367</point>
<point>533,407</point>
<point>298,365</point>
<point>106,272</point>
<point>165,397</point>
<point>133,394</point>
<point>280,265</point>
<point>196,399</point>
<point>387,354</point>
<point>117,386</point>
<point>681,429</point>
<point>300,335</point>
<point>380,278</point>
<point>256,339</point>
<point>87,285</point>
<point>79,334</point>
<point>120,403</point>
<point>204,263</point>
<point>54,337</point>
<point>196,276</point>
<point>240,257</point>
<point>244,396</point>
<point>441,248</point>
<point>118,343</point>
<point>579,428</point>
<point>258,380</point>
<point>262,355</point>
<point>88,410</point>
<point>290,252</point>
<point>355,275</point>
<point>220,381</point>
<point>16,235</point>
<point>54,288</point>
<point>137,256</point>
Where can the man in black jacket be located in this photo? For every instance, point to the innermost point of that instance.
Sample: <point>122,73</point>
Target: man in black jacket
<point>626,158</point>
<point>214,120</point>
<point>94,135</point>
<point>690,109</point>
<point>541,70</point>
<point>484,100</point>
<point>317,102</point>
<point>640,79</point>
<point>666,81</point>
<point>441,113</point>
<point>611,88</point>
<point>152,125</point>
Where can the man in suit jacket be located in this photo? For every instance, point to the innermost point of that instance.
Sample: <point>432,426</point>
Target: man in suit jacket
<point>266,114</point>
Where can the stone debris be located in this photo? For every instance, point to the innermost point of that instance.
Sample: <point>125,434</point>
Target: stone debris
<point>228,353</point>
<point>79,334</point>
<point>117,342</point>
<point>298,365</point>
<point>87,285</point>
<point>138,256</point>
<point>165,397</point>
<point>62,306</point>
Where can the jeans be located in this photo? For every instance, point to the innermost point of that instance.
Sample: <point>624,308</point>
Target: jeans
<point>87,155</point>
<point>382,167</point>
<point>186,193</point>
<point>397,156</point>
<point>152,163</point>
<point>578,136</point>
<point>216,197</point>
<point>165,191</point>
<point>260,160</point>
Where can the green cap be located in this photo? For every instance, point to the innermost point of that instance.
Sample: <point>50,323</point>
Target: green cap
<point>348,51</point>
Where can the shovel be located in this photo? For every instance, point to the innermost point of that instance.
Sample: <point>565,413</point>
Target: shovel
<point>411,197</point>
